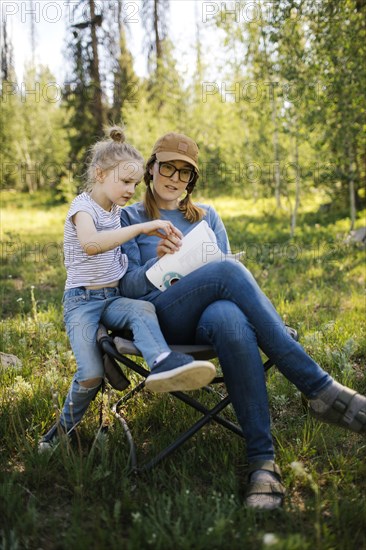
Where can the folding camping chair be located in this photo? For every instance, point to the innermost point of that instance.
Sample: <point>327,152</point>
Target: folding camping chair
<point>117,348</point>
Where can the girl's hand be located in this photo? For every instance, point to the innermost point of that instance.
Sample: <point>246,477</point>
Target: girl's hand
<point>96,242</point>
<point>163,229</point>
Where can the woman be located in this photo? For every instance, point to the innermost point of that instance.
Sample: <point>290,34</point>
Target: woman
<point>221,304</point>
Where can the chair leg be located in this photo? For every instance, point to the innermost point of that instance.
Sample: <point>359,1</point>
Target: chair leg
<point>210,415</point>
<point>130,440</point>
<point>139,387</point>
<point>202,409</point>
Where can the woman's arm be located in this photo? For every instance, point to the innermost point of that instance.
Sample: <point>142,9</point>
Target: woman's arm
<point>170,243</point>
<point>134,283</point>
<point>218,227</point>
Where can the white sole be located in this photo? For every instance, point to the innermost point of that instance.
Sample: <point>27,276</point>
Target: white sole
<point>44,447</point>
<point>192,376</point>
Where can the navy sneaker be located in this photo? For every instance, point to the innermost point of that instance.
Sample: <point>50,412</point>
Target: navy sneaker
<point>180,372</point>
<point>52,438</point>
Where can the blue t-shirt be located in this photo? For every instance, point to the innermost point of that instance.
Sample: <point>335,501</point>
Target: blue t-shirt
<point>141,251</point>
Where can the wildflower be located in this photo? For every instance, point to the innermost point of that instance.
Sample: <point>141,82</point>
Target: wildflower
<point>152,539</point>
<point>299,471</point>
<point>136,517</point>
<point>269,539</point>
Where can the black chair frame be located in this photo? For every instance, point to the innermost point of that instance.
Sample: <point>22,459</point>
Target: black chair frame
<point>117,349</point>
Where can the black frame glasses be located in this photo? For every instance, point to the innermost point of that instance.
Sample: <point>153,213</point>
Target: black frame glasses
<point>174,170</point>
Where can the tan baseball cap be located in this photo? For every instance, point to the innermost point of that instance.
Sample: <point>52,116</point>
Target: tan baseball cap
<point>174,146</point>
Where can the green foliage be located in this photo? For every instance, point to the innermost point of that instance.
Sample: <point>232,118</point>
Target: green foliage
<point>79,98</point>
<point>82,496</point>
<point>35,144</point>
<point>125,81</point>
<point>303,62</point>
<point>284,113</point>
<point>10,128</point>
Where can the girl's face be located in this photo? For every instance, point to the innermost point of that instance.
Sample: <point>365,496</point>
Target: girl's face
<point>167,190</point>
<point>118,185</point>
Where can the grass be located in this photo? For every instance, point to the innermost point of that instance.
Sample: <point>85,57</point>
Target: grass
<point>82,496</point>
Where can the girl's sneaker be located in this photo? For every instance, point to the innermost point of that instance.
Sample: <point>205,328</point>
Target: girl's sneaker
<point>180,372</point>
<point>52,438</point>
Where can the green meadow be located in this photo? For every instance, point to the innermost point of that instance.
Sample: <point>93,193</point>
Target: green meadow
<point>83,497</point>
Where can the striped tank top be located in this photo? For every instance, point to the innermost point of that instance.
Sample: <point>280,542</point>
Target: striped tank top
<point>99,269</point>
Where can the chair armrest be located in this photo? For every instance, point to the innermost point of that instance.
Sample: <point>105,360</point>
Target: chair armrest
<point>103,336</point>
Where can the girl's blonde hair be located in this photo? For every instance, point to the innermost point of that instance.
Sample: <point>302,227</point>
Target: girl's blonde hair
<point>108,153</point>
<point>192,213</point>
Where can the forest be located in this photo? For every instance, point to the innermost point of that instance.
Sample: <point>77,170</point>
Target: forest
<point>280,120</point>
<point>282,114</point>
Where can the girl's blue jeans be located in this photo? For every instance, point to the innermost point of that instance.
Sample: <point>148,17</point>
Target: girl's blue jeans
<point>221,304</point>
<point>84,309</point>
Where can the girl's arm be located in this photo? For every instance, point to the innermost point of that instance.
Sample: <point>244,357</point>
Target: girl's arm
<point>95,242</point>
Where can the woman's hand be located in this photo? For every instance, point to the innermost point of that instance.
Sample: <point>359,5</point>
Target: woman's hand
<point>171,237</point>
<point>168,245</point>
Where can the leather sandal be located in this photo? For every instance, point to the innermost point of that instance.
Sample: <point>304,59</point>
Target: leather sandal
<point>273,489</point>
<point>345,411</point>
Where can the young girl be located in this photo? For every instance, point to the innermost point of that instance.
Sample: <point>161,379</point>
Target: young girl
<point>221,304</point>
<point>95,265</point>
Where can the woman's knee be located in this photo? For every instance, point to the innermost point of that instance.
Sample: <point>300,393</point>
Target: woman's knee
<point>229,270</point>
<point>224,320</point>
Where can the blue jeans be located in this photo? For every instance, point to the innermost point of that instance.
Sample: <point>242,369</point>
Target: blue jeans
<point>221,304</point>
<point>84,309</point>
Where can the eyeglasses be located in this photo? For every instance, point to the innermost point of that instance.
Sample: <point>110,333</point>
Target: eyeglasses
<point>186,175</point>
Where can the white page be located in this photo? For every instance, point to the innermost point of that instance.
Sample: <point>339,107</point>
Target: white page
<point>199,247</point>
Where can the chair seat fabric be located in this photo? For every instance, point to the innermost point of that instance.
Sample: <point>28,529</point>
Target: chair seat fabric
<point>126,347</point>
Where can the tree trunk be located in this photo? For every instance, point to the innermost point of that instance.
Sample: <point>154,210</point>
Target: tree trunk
<point>97,105</point>
<point>352,194</point>
<point>297,183</point>
<point>117,84</point>
<point>120,23</point>
<point>33,34</point>
<point>158,41</point>
<point>4,54</point>
<point>276,153</point>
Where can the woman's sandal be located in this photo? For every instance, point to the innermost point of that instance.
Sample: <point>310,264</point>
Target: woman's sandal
<point>265,495</point>
<point>348,410</point>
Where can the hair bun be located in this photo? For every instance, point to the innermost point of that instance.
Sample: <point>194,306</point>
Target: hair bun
<point>117,134</point>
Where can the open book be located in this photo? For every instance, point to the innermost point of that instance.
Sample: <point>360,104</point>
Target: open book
<point>199,247</point>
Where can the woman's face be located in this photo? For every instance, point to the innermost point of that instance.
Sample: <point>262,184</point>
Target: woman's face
<point>167,190</point>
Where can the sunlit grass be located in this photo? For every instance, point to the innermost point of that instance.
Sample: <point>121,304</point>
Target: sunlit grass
<point>82,497</point>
